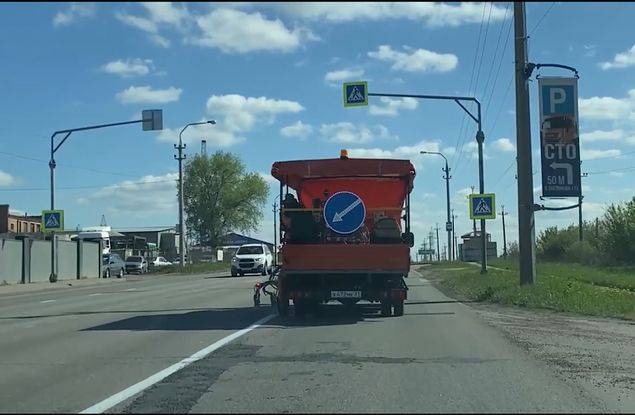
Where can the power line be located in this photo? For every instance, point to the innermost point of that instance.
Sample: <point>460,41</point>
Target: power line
<point>65,165</point>
<point>613,170</point>
<point>531,32</point>
<point>504,173</point>
<point>498,40</point>
<point>500,108</point>
<point>500,63</point>
<point>610,157</point>
<point>469,88</point>
<point>115,186</point>
<point>478,74</point>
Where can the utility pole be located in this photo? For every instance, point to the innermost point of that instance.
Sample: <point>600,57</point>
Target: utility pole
<point>180,157</point>
<point>526,225</point>
<point>451,242</point>
<point>438,251</point>
<point>503,213</point>
<point>447,178</point>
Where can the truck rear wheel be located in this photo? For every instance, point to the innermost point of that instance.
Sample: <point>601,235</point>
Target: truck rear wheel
<point>300,307</point>
<point>398,309</point>
<point>283,306</point>
<point>385,308</point>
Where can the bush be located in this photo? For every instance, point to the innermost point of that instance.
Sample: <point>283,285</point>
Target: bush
<point>583,252</point>
<point>616,236</point>
<point>553,243</point>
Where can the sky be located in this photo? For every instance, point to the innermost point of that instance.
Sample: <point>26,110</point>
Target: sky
<point>270,75</point>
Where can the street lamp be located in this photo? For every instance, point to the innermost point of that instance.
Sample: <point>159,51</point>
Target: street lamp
<point>151,120</point>
<point>180,158</point>
<point>448,224</point>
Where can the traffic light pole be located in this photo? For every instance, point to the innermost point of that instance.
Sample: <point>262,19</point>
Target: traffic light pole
<point>480,138</point>
<point>53,164</point>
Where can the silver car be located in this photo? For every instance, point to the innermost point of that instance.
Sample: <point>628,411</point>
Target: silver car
<point>136,264</point>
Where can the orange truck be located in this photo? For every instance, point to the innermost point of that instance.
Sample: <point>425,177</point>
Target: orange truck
<point>345,232</point>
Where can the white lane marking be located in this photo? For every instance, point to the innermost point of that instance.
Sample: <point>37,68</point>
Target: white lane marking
<point>92,295</point>
<point>119,397</point>
<point>131,289</point>
<point>423,280</point>
<point>47,301</point>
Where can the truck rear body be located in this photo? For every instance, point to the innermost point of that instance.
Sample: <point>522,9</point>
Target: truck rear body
<point>366,264</point>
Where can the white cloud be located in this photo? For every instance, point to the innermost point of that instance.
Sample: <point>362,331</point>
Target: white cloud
<point>297,130</point>
<point>158,14</point>
<point>594,154</point>
<point>267,177</point>
<point>616,174</point>
<point>166,12</point>
<point>630,140</point>
<point>147,95</point>
<point>606,108</point>
<point>235,31</point>
<point>621,60</point>
<point>419,60</point>
<point>392,106</point>
<point>234,116</point>
<point>129,67</point>
<point>600,135</point>
<point>6,179</point>
<point>430,14</point>
<point>335,77</point>
<point>349,133</point>
<point>74,12</point>
<point>505,145</point>
<point>400,152</point>
<point>148,194</point>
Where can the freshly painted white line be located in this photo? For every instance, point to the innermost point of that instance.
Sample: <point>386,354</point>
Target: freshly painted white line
<point>47,301</point>
<point>119,397</point>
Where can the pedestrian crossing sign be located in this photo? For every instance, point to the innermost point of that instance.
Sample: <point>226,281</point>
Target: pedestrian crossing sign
<point>52,220</point>
<point>355,94</point>
<point>483,206</point>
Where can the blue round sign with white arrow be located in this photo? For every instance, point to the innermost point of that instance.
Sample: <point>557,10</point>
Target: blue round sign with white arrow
<point>344,212</point>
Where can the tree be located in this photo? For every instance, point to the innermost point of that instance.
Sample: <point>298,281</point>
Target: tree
<point>221,197</point>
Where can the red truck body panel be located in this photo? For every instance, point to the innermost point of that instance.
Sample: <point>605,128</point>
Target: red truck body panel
<point>394,258</point>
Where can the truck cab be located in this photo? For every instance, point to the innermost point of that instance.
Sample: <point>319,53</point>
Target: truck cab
<point>345,232</point>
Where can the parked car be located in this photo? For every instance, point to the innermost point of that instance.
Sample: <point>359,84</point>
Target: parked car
<point>136,264</point>
<point>112,265</point>
<point>161,262</point>
<point>252,258</point>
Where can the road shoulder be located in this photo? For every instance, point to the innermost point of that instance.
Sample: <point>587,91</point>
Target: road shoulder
<point>596,353</point>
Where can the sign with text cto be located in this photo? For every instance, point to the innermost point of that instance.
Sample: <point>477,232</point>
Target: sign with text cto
<point>559,137</point>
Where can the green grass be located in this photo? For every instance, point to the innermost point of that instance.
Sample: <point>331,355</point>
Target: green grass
<point>561,287</point>
<point>200,268</point>
<point>612,277</point>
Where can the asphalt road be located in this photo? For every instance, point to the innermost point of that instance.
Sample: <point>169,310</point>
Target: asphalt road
<point>67,350</point>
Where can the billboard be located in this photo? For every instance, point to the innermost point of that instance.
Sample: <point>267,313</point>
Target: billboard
<point>559,137</point>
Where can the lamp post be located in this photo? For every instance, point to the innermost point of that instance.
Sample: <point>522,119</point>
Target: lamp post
<point>180,158</point>
<point>151,120</point>
<point>446,170</point>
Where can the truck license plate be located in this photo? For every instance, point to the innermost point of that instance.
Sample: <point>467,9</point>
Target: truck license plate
<point>346,294</point>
